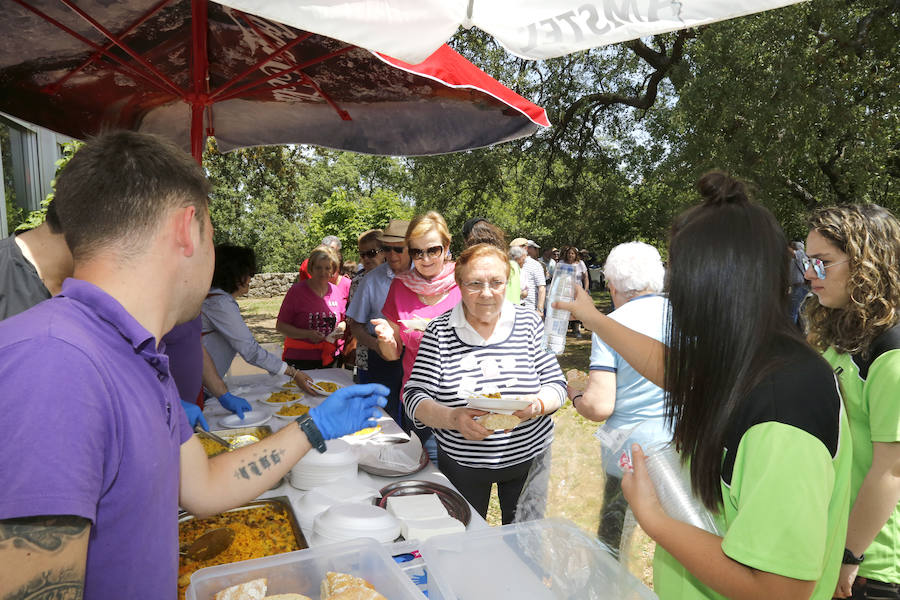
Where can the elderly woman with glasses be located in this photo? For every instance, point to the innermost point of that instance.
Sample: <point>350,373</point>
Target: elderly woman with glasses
<point>418,295</point>
<point>486,345</point>
<point>853,319</point>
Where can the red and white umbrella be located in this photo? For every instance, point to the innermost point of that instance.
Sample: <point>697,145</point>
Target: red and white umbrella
<point>190,68</point>
<point>413,29</point>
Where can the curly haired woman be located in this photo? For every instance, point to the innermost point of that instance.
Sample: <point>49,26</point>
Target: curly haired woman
<point>853,253</point>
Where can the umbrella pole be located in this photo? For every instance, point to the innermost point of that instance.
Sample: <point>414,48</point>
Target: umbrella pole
<point>199,98</point>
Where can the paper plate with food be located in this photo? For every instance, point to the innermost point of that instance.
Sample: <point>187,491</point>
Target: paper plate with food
<point>281,398</point>
<point>498,404</point>
<point>325,387</point>
<point>416,323</point>
<point>292,411</point>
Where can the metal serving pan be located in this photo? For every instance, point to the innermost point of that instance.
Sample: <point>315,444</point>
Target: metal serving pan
<point>279,503</point>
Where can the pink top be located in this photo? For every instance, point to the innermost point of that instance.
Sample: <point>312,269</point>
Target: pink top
<point>402,303</point>
<point>303,308</point>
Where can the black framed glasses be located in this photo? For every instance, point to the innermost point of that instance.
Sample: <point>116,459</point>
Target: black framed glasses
<point>372,253</point>
<point>419,254</point>
<point>818,265</point>
<point>397,249</point>
<point>495,285</point>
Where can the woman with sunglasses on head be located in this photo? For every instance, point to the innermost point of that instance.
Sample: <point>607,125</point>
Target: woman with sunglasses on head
<point>486,345</point>
<point>755,412</point>
<point>853,253</point>
<point>417,296</point>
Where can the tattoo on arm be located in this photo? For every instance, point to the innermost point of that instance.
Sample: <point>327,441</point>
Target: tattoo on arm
<point>259,464</point>
<point>43,558</point>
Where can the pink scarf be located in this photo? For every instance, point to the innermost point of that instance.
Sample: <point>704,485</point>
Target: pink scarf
<point>441,283</point>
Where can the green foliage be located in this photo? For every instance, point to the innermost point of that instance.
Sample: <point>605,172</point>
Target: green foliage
<point>36,217</point>
<point>282,200</point>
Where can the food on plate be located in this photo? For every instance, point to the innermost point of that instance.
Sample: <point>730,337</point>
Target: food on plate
<point>327,386</point>
<point>578,380</point>
<point>496,421</point>
<point>491,395</point>
<point>367,431</point>
<point>259,531</point>
<point>343,586</point>
<point>293,410</point>
<point>250,590</point>
<point>283,396</point>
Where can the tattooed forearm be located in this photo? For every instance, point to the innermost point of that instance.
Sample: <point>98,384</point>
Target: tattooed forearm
<point>66,584</point>
<point>258,465</point>
<point>43,533</point>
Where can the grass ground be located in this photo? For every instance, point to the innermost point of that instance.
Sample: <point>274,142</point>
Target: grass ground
<point>576,477</point>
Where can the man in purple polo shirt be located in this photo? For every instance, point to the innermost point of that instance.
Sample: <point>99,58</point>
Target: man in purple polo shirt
<point>97,453</point>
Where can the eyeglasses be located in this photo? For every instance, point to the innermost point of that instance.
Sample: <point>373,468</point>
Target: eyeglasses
<point>817,265</point>
<point>419,254</point>
<point>372,253</point>
<point>495,285</point>
<point>397,249</point>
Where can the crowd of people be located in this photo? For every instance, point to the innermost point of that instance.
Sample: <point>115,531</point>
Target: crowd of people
<point>779,394</point>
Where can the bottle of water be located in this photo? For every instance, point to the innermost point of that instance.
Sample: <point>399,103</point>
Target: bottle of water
<point>557,322</point>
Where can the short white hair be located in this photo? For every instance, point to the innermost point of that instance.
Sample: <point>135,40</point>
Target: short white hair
<point>332,240</point>
<point>516,252</point>
<point>634,267</point>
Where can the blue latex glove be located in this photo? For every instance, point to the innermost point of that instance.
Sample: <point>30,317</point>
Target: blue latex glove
<point>235,404</point>
<point>349,409</point>
<point>194,415</point>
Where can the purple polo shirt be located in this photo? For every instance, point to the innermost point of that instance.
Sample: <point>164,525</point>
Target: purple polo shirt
<point>184,347</point>
<point>94,429</point>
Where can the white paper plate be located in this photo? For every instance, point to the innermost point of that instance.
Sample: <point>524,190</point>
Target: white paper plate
<point>499,405</point>
<point>314,385</point>
<point>251,419</point>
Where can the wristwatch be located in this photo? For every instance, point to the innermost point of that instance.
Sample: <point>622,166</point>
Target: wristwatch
<point>312,432</point>
<point>852,559</point>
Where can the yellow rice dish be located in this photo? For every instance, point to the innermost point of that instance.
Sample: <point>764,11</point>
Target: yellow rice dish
<point>283,396</point>
<point>328,386</point>
<point>293,410</point>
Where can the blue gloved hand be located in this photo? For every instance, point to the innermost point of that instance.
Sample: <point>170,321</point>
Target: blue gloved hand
<point>235,404</point>
<point>349,409</point>
<point>194,415</point>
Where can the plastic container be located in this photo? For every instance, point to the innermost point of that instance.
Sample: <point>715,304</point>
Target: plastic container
<point>672,483</point>
<point>557,322</point>
<point>547,559</point>
<point>302,572</point>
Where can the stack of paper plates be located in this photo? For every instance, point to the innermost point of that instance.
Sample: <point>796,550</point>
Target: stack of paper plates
<point>318,469</point>
<point>349,521</point>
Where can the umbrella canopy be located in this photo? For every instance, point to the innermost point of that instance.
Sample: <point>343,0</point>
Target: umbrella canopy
<point>190,68</point>
<point>413,29</point>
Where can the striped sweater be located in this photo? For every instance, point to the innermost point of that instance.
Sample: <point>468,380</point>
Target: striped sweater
<point>448,371</point>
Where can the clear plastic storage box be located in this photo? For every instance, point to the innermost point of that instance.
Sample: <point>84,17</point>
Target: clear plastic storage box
<point>548,559</point>
<point>302,571</point>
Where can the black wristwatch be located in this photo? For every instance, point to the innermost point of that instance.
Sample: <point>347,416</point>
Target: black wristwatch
<point>852,559</point>
<point>312,432</point>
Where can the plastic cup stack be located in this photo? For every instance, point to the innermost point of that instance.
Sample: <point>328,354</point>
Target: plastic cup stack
<point>673,488</point>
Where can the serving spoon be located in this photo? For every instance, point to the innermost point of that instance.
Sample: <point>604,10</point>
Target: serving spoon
<point>211,543</point>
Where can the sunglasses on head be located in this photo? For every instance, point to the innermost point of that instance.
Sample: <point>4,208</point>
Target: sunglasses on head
<point>818,265</point>
<point>433,252</point>
<point>370,253</point>
<point>397,249</point>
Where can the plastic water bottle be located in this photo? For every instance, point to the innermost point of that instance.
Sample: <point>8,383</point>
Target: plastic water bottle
<point>557,322</point>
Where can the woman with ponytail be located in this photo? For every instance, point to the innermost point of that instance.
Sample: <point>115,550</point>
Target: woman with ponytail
<point>853,319</point>
<point>755,412</point>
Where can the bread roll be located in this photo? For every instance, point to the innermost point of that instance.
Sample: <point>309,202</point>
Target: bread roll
<point>249,590</point>
<point>577,380</point>
<point>497,422</point>
<point>336,583</point>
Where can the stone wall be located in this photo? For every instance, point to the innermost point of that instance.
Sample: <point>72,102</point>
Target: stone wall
<point>271,285</point>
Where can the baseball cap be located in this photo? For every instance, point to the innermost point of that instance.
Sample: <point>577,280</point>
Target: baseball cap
<point>532,244</point>
<point>519,242</point>
<point>395,231</point>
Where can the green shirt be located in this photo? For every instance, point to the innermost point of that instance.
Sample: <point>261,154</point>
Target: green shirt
<point>872,400</point>
<point>785,484</point>
<point>513,283</point>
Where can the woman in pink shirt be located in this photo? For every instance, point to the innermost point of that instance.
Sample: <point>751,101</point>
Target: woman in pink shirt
<point>312,314</point>
<point>418,295</point>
